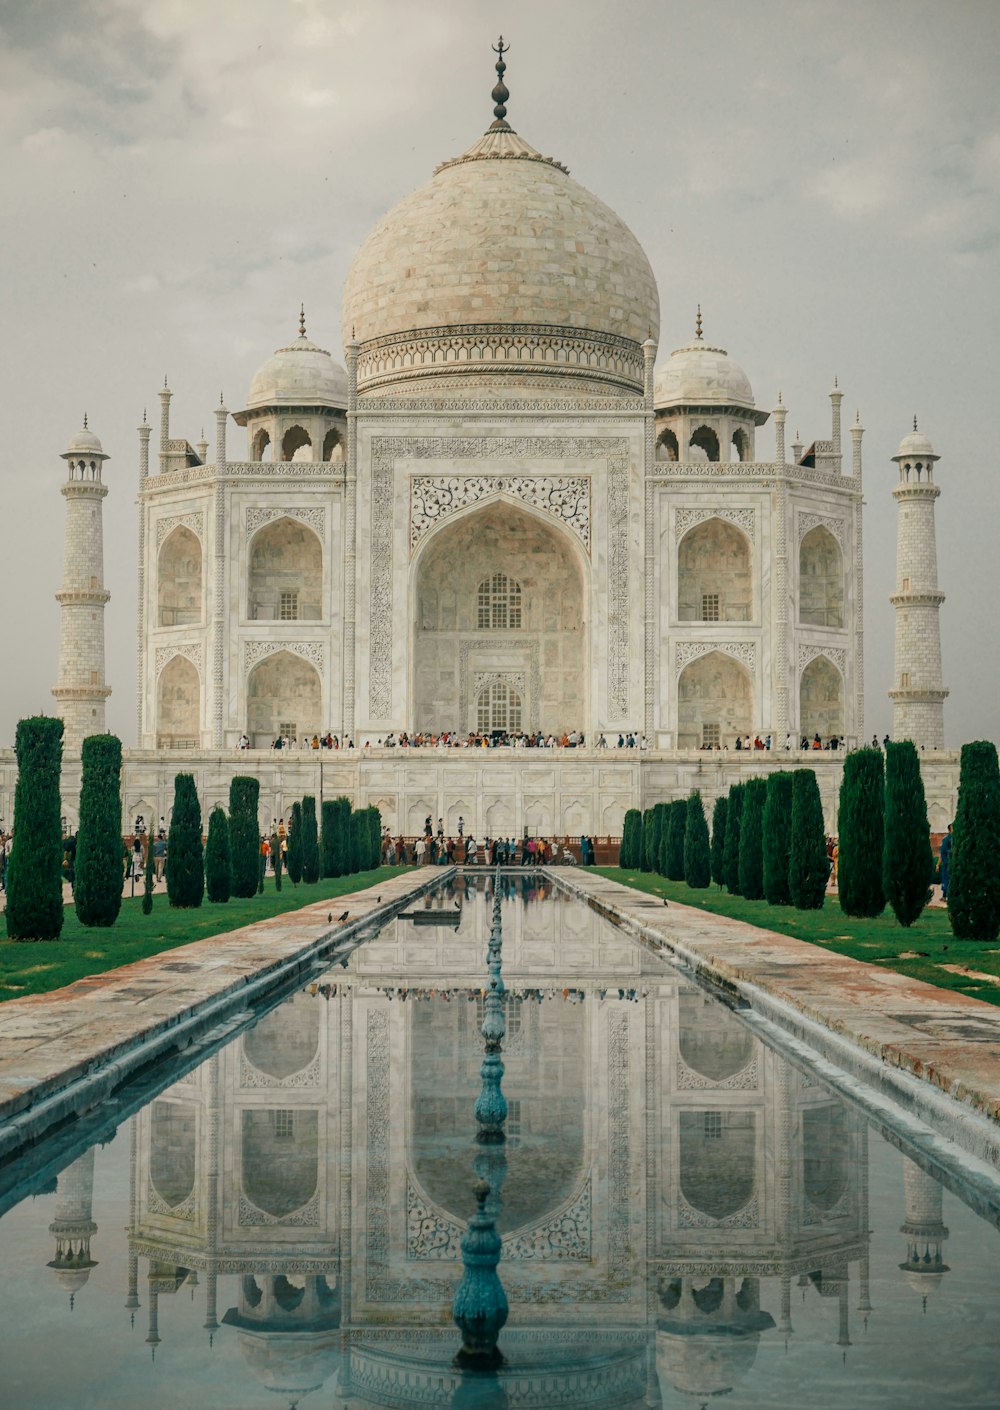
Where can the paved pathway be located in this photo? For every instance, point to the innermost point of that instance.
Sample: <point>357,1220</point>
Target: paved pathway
<point>948,1039</point>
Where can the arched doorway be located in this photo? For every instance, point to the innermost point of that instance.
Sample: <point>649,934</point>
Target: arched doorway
<point>714,702</point>
<point>821,700</point>
<point>821,580</point>
<point>285,582</point>
<point>498,625</point>
<point>284,697</point>
<point>178,579</point>
<point>714,579</point>
<point>178,705</point>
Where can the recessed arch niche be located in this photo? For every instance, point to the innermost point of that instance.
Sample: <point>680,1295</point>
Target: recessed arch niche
<point>457,649</point>
<point>821,699</point>
<point>283,690</point>
<point>821,579</point>
<point>280,1158</point>
<point>285,581</point>
<point>714,574</point>
<point>714,701</point>
<point>178,705</point>
<point>712,1042</point>
<point>173,1132</point>
<point>718,1160</point>
<point>285,1040</point>
<point>179,579</point>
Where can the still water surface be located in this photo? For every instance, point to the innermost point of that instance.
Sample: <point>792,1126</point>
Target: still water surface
<point>685,1214</point>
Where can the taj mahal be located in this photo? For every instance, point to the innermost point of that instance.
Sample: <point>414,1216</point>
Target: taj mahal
<point>505,509</point>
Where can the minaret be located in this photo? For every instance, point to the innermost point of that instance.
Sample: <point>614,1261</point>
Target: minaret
<point>81,691</point>
<point>917,695</point>
<point>73,1226</point>
<point>925,1231</point>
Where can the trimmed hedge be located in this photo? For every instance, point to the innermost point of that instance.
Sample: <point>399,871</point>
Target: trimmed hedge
<point>327,844</point>
<point>751,862</point>
<point>244,835</point>
<point>777,831</point>
<point>34,870</point>
<point>974,877</point>
<point>310,841</point>
<point>97,890</point>
<point>185,857</point>
<point>808,865</point>
<point>631,848</point>
<point>697,853</point>
<point>719,812</point>
<point>217,858</point>
<point>731,859</point>
<point>861,834</point>
<point>907,856</point>
<point>674,841</point>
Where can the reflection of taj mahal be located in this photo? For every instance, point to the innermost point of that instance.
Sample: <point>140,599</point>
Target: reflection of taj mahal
<point>669,1180</point>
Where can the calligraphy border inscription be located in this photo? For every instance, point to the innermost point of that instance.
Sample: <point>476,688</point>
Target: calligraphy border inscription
<point>386,450</point>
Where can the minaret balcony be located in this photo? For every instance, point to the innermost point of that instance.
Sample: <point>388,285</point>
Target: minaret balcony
<point>917,599</point>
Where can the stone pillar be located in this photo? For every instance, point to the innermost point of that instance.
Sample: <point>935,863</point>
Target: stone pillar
<point>81,690</point>
<point>917,695</point>
<point>350,538</point>
<point>219,633</point>
<point>140,646</point>
<point>650,646</point>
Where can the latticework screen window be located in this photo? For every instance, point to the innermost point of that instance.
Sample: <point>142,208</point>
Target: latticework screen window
<point>288,607</point>
<point>498,707</point>
<point>711,735</point>
<point>499,605</point>
<point>710,607</point>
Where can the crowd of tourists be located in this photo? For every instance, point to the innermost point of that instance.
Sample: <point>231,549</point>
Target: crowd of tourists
<point>435,848</point>
<point>452,739</point>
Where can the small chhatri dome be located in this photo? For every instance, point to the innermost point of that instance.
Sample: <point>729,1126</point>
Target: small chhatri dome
<point>915,446</point>
<point>503,240</point>
<point>299,374</point>
<point>699,374</point>
<point>86,444</point>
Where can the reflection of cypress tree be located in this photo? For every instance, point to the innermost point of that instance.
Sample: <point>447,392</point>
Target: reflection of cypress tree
<point>974,877</point>
<point>244,834</point>
<point>98,887</point>
<point>808,866</point>
<point>628,856</point>
<point>861,834</point>
<point>648,860</point>
<point>34,871</point>
<point>719,840</point>
<point>310,841</point>
<point>777,838</point>
<point>217,861</point>
<point>674,839</point>
<point>185,857</point>
<point>731,861</point>
<point>327,844</point>
<point>697,856</point>
<point>293,857</point>
<point>751,862</point>
<point>907,860</point>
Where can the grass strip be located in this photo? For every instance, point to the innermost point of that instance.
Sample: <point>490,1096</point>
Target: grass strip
<point>921,952</point>
<point>38,967</point>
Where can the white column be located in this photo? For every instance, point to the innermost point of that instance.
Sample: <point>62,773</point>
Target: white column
<point>217,694</point>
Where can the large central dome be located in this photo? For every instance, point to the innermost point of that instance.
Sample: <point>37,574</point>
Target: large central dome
<point>501,264</point>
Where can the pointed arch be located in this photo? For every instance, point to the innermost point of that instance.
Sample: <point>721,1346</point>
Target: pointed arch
<point>260,443</point>
<point>294,442</point>
<point>714,702</point>
<point>821,699</point>
<point>714,574</point>
<point>284,696</point>
<point>285,573</point>
<point>178,705</point>
<point>666,446</point>
<point>179,586</point>
<point>704,444</point>
<point>821,579</point>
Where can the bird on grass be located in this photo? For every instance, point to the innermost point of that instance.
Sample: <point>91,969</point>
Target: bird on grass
<point>665,901</point>
<point>329,917</point>
<point>343,917</point>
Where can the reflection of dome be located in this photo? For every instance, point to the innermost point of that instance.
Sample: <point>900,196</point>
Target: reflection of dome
<point>291,1363</point>
<point>71,1280</point>
<point>701,375</point>
<point>300,374</point>
<point>503,236</point>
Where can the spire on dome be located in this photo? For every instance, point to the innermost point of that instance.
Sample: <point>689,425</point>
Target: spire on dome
<point>500,93</point>
<point>302,320</point>
<point>697,325</point>
<point>85,427</point>
<point>914,421</point>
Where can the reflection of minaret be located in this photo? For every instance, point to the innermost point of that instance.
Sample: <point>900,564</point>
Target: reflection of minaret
<point>73,1226</point>
<point>925,1231</point>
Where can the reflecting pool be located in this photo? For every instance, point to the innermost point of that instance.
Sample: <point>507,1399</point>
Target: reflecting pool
<point>684,1213</point>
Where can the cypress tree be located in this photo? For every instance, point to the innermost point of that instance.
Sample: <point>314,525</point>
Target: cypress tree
<point>719,839</point>
<point>647,860</point>
<point>97,891</point>
<point>294,855</point>
<point>34,870</point>
<point>629,855</point>
<point>341,837</point>
<point>327,844</point>
<point>374,838</point>
<point>185,858</point>
<point>777,831</point>
<point>697,854</point>
<point>808,866</point>
<point>356,840</point>
<point>974,878</point>
<point>244,835</point>
<point>217,858</point>
<point>674,840</point>
<point>656,845</point>
<point>861,834</point>
<point>731,858</point>
<point>751,861</point>
<point>147,887</point>
<point>310,841</point>
<point>907,858</point>
<point>276,854</point>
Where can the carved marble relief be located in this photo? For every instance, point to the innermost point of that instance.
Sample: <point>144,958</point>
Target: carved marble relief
<point>565,497</point>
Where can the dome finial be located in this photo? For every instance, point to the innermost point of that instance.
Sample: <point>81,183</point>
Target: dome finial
<point>85,422</point>
<point>697,325</point>
<point>302,320</point>
<point>500,93</point>
<point>914,421</point>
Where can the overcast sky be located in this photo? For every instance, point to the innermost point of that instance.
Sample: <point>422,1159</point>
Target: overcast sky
<point>178,175</point>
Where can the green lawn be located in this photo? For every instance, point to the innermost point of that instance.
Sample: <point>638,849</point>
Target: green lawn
<point>927,945</point>
<point>39,966</point>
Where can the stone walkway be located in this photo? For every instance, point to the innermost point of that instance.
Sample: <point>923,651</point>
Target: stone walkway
<point>66,1050</point>
<point>949,1040</point>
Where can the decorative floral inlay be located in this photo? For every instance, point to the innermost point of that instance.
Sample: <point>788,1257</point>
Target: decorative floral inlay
<point>745,519</point>
<point>687,651</point>
<point>258,515</point>
<point>565,497</point>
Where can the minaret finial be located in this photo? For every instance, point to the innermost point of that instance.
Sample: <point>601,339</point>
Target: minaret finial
<point>780,402</point>
<point>222,400</point>
<point>302,320</point>
<point>500,93</point>
<point>164,381</point>
<point>85,422</point>
<point>144,416</point>
<point>697,325</point>
<point>836,384</point>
